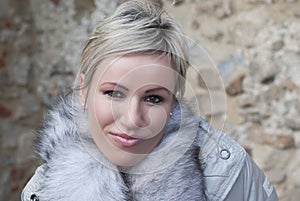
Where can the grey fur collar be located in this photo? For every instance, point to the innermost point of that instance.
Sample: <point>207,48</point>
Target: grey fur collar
<point>75,169</point>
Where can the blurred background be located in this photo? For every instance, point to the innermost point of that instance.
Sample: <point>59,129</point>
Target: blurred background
<point>254,86</point>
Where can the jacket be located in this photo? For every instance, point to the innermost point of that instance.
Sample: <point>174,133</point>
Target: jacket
<point>193,161</point>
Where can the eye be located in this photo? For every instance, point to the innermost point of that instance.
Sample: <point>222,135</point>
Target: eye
<point>114,94</point>
<point>154,99</point>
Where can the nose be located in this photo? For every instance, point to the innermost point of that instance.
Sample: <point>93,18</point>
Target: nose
<point>135,115</point>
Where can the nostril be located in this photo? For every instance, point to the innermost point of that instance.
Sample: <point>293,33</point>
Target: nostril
<point>138,120</point>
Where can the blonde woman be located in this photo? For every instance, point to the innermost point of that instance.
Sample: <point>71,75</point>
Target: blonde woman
<point>125,132</point>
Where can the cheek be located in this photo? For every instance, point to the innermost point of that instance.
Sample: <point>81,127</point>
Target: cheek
<point>158,117</point>
<point>100,113</point>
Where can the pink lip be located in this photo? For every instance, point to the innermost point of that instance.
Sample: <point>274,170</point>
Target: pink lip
<point>125,140</point>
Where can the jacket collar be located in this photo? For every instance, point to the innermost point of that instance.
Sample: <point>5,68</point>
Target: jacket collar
<point>77,170</point>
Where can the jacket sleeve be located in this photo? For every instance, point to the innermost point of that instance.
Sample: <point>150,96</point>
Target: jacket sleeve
<point>251,185</point>
<point>230,173</point>
<point>29,191</point>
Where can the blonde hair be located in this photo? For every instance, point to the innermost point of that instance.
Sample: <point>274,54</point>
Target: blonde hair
<point>136,27</point>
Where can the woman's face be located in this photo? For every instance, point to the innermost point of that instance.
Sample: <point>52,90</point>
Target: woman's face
<point>128,105</point>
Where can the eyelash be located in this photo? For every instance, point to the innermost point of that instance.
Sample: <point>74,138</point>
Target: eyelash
<point>114,94</point>
<point>153,99</point>
<point>157,99</point>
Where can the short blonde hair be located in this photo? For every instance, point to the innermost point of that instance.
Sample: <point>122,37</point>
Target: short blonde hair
<point>136,27</point>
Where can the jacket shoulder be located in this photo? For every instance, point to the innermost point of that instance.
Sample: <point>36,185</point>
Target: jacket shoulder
<point>222,159</point>
<point>230,173</point>
<point>252,184</point>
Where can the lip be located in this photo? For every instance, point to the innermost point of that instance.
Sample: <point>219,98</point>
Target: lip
<point>125,140</point>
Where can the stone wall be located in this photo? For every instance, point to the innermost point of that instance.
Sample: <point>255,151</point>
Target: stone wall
<point>253,48</point>
<point>255,45</point>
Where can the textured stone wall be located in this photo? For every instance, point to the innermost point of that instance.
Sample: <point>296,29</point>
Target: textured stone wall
<point>256,48</point>
<point>254,86</point>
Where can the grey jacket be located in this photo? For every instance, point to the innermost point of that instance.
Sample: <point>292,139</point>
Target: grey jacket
<point>192,162</point>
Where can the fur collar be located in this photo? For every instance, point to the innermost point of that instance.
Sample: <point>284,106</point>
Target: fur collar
<point>75,169</point>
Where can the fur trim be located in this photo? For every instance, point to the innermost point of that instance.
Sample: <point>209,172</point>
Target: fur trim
<point>75,169</point>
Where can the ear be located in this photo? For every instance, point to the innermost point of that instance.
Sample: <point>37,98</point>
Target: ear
<point>82,91</point>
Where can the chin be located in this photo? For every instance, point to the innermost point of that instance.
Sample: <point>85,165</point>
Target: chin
<point>127,159</point>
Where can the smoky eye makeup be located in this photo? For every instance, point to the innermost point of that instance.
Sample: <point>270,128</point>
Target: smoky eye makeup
<point>113,90</point>
<point>154,99</point>
<point>158,95</point>
<point>114,94</point>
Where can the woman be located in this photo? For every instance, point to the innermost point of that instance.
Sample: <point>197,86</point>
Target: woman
<point>126,134</point>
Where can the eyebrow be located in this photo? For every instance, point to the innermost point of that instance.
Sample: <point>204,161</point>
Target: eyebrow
<point>157,89</point>
<point>125,88</point>
<point>116,85</point>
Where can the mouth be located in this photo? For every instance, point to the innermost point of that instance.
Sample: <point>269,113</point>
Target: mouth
<point>125,140</point>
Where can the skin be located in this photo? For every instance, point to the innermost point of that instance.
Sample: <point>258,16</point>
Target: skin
<point>128,104</point>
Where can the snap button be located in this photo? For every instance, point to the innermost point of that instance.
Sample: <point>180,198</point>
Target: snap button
<point>33,197</point>
<point>225,154</point>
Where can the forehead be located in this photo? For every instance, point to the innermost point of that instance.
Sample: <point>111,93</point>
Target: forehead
<point>137,70</point>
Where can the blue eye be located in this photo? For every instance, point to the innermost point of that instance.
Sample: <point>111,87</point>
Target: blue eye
<point>114,94</point>
<point>154,99</point>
